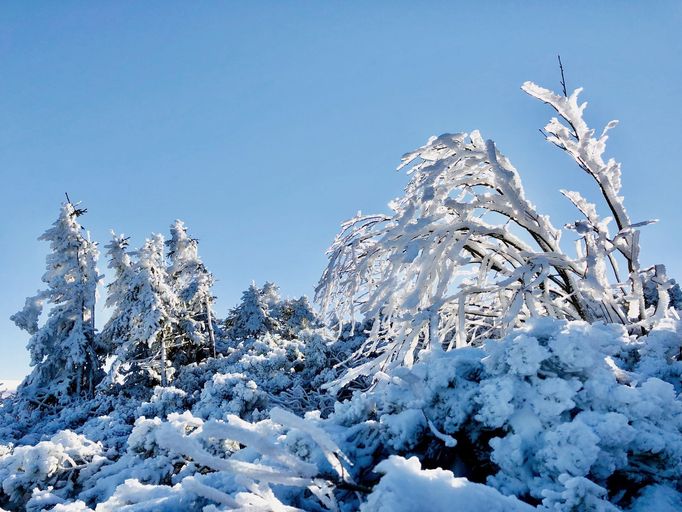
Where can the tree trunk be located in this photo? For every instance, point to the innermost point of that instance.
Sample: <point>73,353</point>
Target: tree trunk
<point>211,334</point>
<point>164,382</point>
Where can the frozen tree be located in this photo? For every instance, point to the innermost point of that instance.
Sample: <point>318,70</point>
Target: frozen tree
<point>251,318</point>
<point>270,296</point>
<point>144,319</point>
<point>262,310</point>
<point>465,256</point>
<point>296,315</point>
<point>122,265</point>
<point>64,351</point>
<point>192,283</point>
<point>117,331</point>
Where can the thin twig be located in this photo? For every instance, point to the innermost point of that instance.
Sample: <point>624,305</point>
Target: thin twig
<point>563,80</point>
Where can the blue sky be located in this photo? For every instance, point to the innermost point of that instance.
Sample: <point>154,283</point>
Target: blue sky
<point>263,125</point>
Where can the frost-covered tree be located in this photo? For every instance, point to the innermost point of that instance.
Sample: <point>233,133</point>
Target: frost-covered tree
<point>270,294</point>
<point>144,321</point>
<point>192,283</point>
<point>251,318</point>
<point>117,331</point>
<point>64,352</point>
<point>296,315</point>
<point>465,256</point>
<point>262,310</point>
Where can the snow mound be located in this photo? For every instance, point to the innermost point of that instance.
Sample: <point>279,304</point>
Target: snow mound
<point>406,487</point>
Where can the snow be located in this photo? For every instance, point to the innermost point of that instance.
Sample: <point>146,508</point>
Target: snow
<point>406,487</point>
<point>462,361</point>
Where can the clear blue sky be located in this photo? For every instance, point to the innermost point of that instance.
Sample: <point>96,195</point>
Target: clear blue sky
<point>263,125</point>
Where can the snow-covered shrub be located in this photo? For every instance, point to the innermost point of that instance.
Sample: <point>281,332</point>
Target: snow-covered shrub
<point>425,410</point>
<point>192,463</point>
<point>659,354</point>
<point>58,465</point>
<point>147,458</point>
<point>465,256</point>
<point>554,413</point>
<point>549,412</point>
<point>163,402</point>
<point>568,410</point>
<point>287,372</point>
<point>231,393</point>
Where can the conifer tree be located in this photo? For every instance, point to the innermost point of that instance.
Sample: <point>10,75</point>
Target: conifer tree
<point>251,317</point>
<point>270,295</point>
<point>144,321</point>
<point>66,359</point>
<point>192,283</point>
<point>295,315</point>
<point>116,331</point>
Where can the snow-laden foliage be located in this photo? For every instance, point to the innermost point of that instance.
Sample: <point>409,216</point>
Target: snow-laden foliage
<point>465,256</point>
<point>468,362</point>
<point>64,353</point>
<point>555,413</point>
<point>563,415</point>
<point>49,472</point>
<point>162,308</point>
<point>141,465</point>
<point>254,375</point>
<point>142,326</point>
<point>192,283</point>
<point>262,310</point>
<point>251,318</point>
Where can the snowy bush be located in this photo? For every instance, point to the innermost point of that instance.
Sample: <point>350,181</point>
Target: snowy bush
<point>576,414</point>
<point>547,409</point>
<point>231,393</point>
<point>163,402</point>
<point>57,465</point>
<point>465,256</point>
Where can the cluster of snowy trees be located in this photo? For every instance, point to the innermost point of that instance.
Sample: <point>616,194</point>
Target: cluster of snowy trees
<point>162,316</point>
<point>464,358</point>
<point>161,301</point>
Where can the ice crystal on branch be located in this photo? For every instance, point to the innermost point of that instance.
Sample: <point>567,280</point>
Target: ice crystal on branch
<point>464,256</point>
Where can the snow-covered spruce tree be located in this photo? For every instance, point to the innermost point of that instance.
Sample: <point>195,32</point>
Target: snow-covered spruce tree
<point>287,317</point>
<point>465,256</point>
<point>116,332</point>
<point>192,284</point>
<point>262,311</point>
<point>251,318</point>
<point>296,315</point>
<point>144,321</point>
<point>64,352</point>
